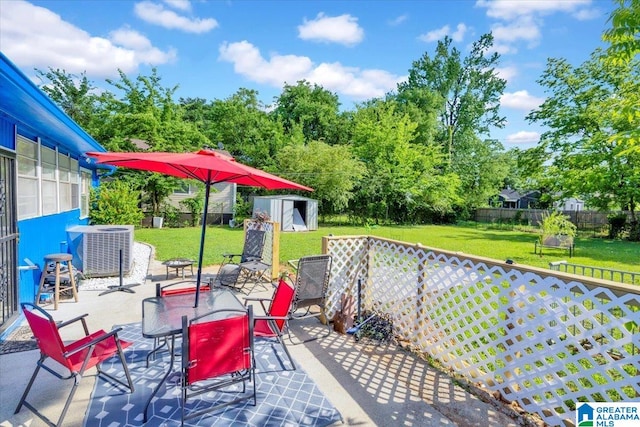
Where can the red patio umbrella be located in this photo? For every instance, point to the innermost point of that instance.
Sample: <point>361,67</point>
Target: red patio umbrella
<point>207,166</point>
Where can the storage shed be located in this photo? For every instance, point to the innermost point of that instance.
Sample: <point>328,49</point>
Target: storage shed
<point>294,213</point>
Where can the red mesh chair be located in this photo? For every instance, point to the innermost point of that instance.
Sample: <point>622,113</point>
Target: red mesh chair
<point>272,325</point>
<point>217,352</point>
<point>179,288</point>
<point>77,357</point>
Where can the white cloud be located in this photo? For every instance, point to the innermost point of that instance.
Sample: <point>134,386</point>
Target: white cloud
<point>458,34</point>
<point>280,69</point>
<point>435,35</point>
<point>33,36</point>
<point>507,73</point>
<point>520,100</point>
<point>523,137</point>
<point>398,20</point>
<point>587,14</point>
<point>520,21</point>
<point>508,9</point>
<point>343,29</point>
<point>179,4</point>
<point>156,14</point>
<point>522,29</point>
<point>438,34</point>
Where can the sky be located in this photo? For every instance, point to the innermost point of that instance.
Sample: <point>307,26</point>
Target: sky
<point>358,50</point>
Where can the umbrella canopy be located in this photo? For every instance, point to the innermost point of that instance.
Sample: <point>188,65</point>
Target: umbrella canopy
<point>207,166</point>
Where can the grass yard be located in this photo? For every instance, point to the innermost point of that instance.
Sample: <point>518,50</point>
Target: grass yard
<point>474,240</point>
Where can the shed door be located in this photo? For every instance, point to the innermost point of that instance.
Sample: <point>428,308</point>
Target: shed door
<point>287,215</point>
<point>8,240</point>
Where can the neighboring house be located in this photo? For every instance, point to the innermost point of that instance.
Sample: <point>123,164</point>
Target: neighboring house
<point>512,199</point>
<point>221,201</point>
<point>45,179</point>
<point>572,204</point>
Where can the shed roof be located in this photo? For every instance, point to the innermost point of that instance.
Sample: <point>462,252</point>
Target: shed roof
<point>24,104</point>
<point>287,197</point>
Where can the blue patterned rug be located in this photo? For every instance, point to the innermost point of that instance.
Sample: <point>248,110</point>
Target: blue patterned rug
<point>284,398</point>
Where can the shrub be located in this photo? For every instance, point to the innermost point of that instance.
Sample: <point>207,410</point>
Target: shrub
<point>195,206</point>
<point>171,215</point>
<point>617,224</point>
<point>115,202</point>
<point>556,224</point>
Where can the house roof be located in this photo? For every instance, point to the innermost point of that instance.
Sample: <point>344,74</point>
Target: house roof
<point>25,105</point>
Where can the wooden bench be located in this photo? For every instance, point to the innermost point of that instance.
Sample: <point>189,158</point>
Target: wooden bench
<point>555,242</point>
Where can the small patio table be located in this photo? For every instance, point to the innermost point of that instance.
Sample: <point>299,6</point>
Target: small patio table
<point>179,264</point>
<point>162,318</point>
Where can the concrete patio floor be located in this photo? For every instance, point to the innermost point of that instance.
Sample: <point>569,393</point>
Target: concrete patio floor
<point>370,385</point>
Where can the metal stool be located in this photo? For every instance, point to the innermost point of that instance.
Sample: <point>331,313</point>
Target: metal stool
<point>57,259</point>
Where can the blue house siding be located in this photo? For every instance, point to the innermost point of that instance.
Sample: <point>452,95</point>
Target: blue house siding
<point>7,134</point>
<point>28,111</point>
<point>39,237</point>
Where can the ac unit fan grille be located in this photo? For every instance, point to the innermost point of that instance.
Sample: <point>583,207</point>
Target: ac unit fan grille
<point>101,251</point>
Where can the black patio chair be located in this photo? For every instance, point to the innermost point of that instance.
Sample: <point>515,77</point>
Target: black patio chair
<point>311,286</point>
<point>238,269</point>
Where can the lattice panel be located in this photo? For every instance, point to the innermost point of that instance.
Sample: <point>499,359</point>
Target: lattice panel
<point>541,341</point>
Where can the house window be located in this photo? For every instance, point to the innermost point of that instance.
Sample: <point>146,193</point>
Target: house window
<point>85,191</point>
<point>47,180</point>
<point>66,190</point>
<point>28,193</point>
<point>184,188</point>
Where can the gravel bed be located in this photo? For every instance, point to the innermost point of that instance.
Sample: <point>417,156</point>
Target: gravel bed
<point>137,274</point>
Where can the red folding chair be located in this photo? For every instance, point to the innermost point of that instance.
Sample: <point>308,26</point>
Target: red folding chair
<point>217,352</point>
<point>273,324</point>
<point>77,357</point>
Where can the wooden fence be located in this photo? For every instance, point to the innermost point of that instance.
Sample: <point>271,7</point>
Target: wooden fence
<point>584,220</point>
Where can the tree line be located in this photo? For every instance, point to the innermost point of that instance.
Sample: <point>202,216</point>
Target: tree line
<point>422,153</point>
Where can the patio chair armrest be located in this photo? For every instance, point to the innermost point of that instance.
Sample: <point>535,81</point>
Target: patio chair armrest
<point>96,340</point>
<point>74,320</point>
<point>230,256</point>
<point>271,317</point>
<point>258,299</point>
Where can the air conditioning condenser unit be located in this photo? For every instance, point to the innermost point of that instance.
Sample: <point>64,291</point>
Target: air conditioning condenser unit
<point>96,249</point>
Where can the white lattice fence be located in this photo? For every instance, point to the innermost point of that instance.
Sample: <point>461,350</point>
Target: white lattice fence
<point>541,338</point>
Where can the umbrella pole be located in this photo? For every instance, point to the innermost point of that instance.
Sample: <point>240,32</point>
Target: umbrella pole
<point>202,234</point>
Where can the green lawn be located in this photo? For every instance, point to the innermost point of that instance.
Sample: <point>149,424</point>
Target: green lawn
<point>481,241</point>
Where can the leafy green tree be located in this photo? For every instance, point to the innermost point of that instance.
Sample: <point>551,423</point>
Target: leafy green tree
<point>623,36</point>
<point>580,113</point>
<point>482,166</point>
<point>403,181</point>
<point>331,171</point>
<point>624,45</point>
<point>241,124</point>
<point>465,92</point>
<point>312,107</point>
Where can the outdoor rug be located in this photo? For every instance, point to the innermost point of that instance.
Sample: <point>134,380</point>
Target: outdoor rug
<point>21,339</point>
<point>284,398</point>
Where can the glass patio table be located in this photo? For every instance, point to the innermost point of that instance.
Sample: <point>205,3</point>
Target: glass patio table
<point>162,318</point>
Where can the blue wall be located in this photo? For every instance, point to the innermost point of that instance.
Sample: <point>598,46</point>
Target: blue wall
<point>39,237</point>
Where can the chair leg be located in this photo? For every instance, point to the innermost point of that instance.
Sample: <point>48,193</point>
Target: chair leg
<point>76,382</point>
<point>23,400</point>
<point>26,390</point>
<point>129,382</point>
<point>286,350</point>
